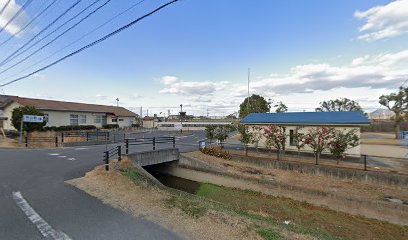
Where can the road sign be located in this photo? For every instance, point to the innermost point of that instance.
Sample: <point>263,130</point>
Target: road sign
<point>178,126</point>
<point>33,118</point>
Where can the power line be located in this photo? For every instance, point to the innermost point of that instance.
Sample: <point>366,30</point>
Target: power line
<point>43,30</point>
<point>91,44</point>
<point>30,22</point>
<point>4,7</point>
<point>79,39</point>
<point>56,38</point>
<point>52,32</point>
<point>26,4</point>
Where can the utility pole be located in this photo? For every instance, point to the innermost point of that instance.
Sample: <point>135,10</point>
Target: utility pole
<point>181,118</point>
<point>117,102</point>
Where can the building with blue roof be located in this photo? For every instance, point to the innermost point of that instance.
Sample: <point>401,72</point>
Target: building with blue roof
<point>303,121</point>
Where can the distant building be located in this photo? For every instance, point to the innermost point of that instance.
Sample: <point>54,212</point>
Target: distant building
<point>189,126</point>
<point>59,113</point>
<point>150,122</point>
<point>306,120</point>
<point>381,114</point>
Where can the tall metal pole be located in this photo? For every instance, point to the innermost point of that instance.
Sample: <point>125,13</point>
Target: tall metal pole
<point>249,72</point>
<point>21,130</point>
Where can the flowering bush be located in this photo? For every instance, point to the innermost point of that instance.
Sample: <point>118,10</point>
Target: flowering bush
<point>318,139</point>
<point>216,151</point>
<point>275,137</point>
<point>341,142</point>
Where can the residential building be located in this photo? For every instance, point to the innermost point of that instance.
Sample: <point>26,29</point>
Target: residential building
<point>189,126</point>
<point>343,121</point>
<point>59,113</point>
<point>150,122</point>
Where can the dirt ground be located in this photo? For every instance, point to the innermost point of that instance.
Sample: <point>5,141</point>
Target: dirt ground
<point>8,143</point>
<point>343,195</point>
<point>150,203</point>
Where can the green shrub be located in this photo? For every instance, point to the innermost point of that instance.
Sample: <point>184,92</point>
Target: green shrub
<point>110,126</point>
<point>136,125</point>
<point>69,128</point>
<point>216,151</point>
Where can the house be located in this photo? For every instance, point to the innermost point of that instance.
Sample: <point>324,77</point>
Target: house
<point>343,121</point>
<point>150,122</point>
<point>59,113</point>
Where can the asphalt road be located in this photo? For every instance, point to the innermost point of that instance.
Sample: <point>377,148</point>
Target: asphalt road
<point>39,175</point>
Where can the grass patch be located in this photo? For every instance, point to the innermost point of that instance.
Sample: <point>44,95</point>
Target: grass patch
<point>320,222</point>
<point>269,234</point>
<point>133,175</point>
<point>190,207</point>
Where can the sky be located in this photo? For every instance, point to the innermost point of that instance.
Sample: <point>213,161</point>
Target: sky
<point>197,52</point>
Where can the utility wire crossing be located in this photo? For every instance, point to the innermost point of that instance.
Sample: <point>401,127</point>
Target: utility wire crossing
<point>91,44</point>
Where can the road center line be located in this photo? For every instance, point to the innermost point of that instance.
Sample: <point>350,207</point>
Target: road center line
<point>45,229</point>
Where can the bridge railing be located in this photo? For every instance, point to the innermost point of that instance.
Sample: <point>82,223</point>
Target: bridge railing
<point>115,151</point>
<point>147,141</point>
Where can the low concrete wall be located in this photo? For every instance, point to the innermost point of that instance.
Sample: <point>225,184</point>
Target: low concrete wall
<point>147,158</point>
<point>327,171</point>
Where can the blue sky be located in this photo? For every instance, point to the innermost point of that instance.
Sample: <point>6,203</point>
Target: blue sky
<point>197,53</point>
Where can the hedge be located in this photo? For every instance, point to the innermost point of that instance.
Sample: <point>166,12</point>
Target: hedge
<point>69,128</point>
<point>110,126</point>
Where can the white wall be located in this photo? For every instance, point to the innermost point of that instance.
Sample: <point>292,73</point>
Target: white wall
<point>352,151</point>
<point>8,113</point>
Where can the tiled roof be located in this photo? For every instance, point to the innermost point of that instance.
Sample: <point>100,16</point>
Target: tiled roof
<point>72,106</point>
<point>307,118</point>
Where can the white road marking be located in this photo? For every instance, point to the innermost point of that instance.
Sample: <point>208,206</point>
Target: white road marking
<point>53,154</point>
<point>45,229</point>
<point>62,156</point>
<point>71,159</point>
<point>82,148</point>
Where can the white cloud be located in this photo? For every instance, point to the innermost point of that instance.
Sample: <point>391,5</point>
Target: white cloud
<point>384,21</point>
<point>304,86</point>
<point>12,8</point>
<point>190,89</point>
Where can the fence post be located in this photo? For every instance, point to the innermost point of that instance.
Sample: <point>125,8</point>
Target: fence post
<point>365,162</point>
<point>119,153</point>
<point>127,146</point>
<point>26,141</point>
<point>114,138</point>
<point>56,141</point>
<point>108,135</point>
<point>87,136</point>
<point>62,137</point>
<point>107,161</point>
<point>174,142</point>
<point>154,143</point>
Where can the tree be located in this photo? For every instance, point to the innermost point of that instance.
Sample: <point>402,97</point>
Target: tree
<point>337,105</point>
<point>209,132</point>
<point>318,139</point>
<point>17,115</point>
<point>232,116</point>
<point>256,104</point>
<point>275,137</point>
<point>396,102</point>
<point>256,136</point>
<point>246,136</point>
<point>221,133</point>
<point>280,107</point>
<point>342,141</point>
<point>299,139</point>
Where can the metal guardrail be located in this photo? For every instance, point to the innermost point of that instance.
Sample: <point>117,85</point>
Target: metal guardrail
<point>144,141</point>
<point>29,140</point>
<point>110,153</point>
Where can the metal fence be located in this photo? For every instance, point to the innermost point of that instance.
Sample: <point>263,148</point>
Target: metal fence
<point>363,161</point>
<point>153,141</point>
<point>115,151</point>
<point>28,141</point>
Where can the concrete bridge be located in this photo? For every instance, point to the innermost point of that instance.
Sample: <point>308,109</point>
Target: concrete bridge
<point>148,158</point>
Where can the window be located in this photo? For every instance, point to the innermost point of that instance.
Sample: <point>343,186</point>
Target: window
<point>292,141</point>
<point>73,119</point>
<point>98,119</point>
<point>82,119</point>
<point>114,120</point>
<point>120,119</point>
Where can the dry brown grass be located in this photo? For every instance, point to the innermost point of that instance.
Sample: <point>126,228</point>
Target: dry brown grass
<point>349,196</point>
<point>150,203</point>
